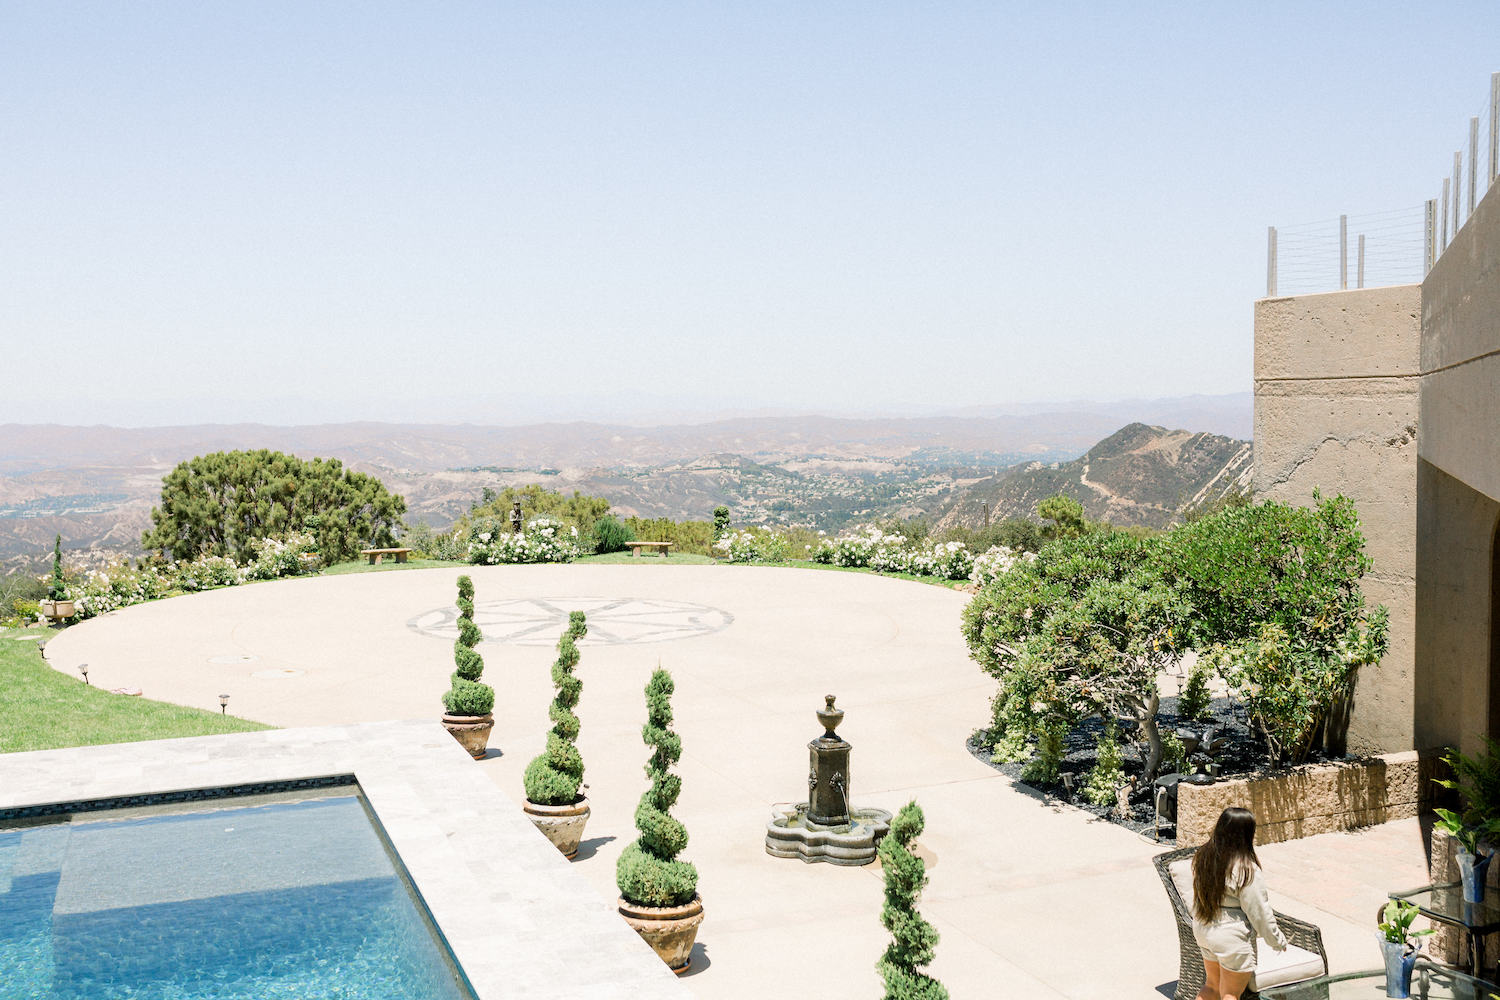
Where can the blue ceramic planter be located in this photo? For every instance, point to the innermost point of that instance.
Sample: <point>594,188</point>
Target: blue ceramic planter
<point>1398,965</point>
<point>1473,868</point>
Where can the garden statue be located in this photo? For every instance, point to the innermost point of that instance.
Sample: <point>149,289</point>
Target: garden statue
<point>826,827</point>
<point>515,517</point>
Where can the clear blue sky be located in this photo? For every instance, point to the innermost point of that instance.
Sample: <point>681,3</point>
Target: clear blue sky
<point>500,212</point>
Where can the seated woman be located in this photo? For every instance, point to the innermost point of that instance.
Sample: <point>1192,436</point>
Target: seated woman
<point>1230,906</point>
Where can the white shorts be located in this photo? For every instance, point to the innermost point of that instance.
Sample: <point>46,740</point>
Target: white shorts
<point>1228,940</point>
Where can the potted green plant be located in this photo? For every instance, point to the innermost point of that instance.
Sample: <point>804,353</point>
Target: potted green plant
<point>468,702</point>
<point>554,780</point>
<point>912,938</point>
<point>1477,781</point>
<point>659,894</point>
<point>1399,944</point>
<point>58,605</point>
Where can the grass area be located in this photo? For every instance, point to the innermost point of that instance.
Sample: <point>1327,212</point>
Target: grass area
<point>931,581</point>
<point>675,559</point>
<point>42,709</point>
<point>363,566</point>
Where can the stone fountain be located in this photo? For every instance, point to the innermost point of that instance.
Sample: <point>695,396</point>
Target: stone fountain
<point>826,827</point>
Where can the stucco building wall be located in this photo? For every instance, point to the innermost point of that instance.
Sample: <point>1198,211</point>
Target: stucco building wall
<point>1337,395</point>
<point>1457,690</point>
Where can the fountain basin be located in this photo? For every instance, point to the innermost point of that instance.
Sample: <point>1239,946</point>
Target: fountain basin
<point>790,834</point>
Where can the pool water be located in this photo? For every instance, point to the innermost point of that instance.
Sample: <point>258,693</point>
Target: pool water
<point>296,899</point>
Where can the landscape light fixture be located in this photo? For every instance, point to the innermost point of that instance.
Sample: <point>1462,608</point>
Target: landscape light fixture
<point>83,668</point>
<point>223,704</point>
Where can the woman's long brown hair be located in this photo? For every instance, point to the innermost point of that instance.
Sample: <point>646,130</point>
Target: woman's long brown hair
<point>1231,848</point>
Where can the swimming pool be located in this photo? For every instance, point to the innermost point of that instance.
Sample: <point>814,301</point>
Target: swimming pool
<point>294,896</point>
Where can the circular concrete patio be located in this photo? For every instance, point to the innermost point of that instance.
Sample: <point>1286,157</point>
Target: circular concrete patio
<point>1020,887</point>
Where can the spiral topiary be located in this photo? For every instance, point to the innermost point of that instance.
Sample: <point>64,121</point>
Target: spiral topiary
<point>58,591</point>
<point>913,939</point>
<point>556,776</point>
<point>467,696</point>
<point>648,873</point>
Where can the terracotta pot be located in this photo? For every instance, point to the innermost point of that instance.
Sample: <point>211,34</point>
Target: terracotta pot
<point>563,825</point>
<point>471,731</point>
<point>670,930</point>
<point>57,610</point>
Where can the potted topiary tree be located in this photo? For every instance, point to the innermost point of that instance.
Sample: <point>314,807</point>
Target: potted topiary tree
<point>658,893</point>
<point>912,938</point>
<point>468,702</point>
<point>554,780</point>
<point>57,606</point>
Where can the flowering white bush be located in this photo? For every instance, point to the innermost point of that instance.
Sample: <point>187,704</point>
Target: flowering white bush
<point>889,553</point>
<point>278,557</point>
<point>754,545</point>
<point>997,560</point>
<point>119,586</point>
<point>209,571</point>
<point>542,540</point>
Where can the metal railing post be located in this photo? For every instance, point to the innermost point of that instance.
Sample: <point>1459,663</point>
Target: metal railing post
<point>1361,271</point>
<point>1494,126</point>
<point>1270,262</point>
<point>1443,242</point>
<point>1473,160</point>
<point>1458,179</point>
<point>1430,251</point>
<point>1343,253</point>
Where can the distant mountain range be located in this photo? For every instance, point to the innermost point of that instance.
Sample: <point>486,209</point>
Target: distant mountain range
<point>96,485</point>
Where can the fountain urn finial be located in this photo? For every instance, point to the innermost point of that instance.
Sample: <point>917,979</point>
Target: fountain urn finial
<point>828,796</point>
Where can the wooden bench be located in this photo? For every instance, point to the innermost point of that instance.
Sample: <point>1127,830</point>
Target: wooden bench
<point>376,555</point>
<point>635,548</point>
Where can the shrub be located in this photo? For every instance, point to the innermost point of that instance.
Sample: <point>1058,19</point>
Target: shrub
<point>1044,767</point>
<point>426,542</point>
<point>913,939</point>
<point>610,535</point>
<point>1173,753</point>
<point>721,521</point>
<point>995,560</point>
<point>275,558</point>
<point>1108,774</point>
<point>686,536</point>
<point>648,872</point>
<point>207,572</point>
<point>467,696</point>
<point>543,540</point>
<point>754,545</point>
<point>1477,780</point>
<point>1193,702</point>
<point>555,777</point>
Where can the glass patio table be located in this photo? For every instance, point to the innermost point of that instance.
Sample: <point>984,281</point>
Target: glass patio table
<point>1428,982</point>
<point>1445,904</point>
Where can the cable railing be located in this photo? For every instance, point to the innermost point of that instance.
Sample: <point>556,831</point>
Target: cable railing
<point>1394,247</point>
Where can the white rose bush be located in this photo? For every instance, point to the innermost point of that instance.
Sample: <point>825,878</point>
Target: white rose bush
<point>543,540</point>
<point>891,553</point>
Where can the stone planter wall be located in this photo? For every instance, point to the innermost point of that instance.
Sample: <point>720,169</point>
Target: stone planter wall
<point>1318,798</point>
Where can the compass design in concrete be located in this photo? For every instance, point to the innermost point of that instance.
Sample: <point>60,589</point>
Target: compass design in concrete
<point>538,621</point>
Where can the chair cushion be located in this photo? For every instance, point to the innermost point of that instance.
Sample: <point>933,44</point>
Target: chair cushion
<point>1277,968</point>
<point>1182,877</point>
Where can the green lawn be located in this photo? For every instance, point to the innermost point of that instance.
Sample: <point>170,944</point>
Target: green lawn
<point>675,559</point>
<point>42,709</point>
<point>363,566</point>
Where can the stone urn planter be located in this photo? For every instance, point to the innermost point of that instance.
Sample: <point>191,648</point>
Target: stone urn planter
<point>669,930</point>
<point>563,825</point>
<point>58,610</point>
<point>471,731</point>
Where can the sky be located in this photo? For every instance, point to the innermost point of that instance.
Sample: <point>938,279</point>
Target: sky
<point>508,212</point>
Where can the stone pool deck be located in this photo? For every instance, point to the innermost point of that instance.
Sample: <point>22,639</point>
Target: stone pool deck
<point>1033,899</point>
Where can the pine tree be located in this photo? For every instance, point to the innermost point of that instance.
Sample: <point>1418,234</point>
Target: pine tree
<point>467,696</point>
<point>556,776</point>
<point>648,873</point>
<point>913,939</point>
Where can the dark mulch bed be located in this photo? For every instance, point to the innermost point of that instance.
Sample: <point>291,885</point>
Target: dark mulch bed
<point>1244,753</point>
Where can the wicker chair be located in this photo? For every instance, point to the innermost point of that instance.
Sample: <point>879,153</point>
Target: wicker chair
<point>1190,976</point>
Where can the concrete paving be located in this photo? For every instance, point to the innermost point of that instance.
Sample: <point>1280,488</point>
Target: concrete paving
<point>1033,899</point>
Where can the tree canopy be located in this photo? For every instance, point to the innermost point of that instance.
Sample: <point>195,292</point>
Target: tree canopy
<point>221,503</point>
